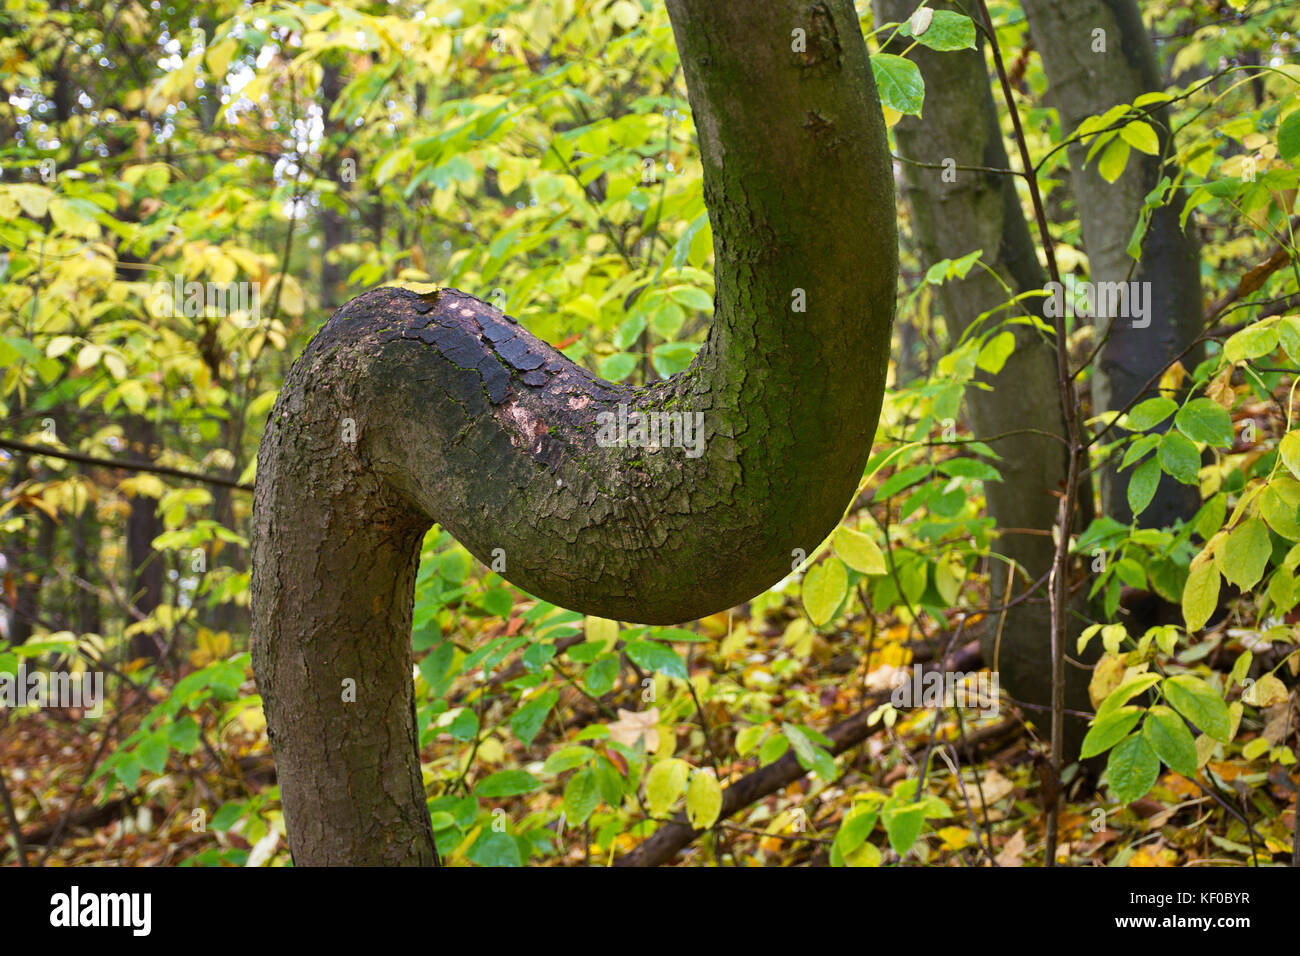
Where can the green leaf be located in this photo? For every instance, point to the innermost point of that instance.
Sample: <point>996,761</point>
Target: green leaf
<point>1250,343</point>
<point>995,352</point>
<point>1107,731</point>
<point>465,726</point>
<point>1200,703</point>
<point>703,800</point>
<point>228,815</point>
<point>903,824</point>
<point>1288,136</point>
<point>1139,448</point>
<point>773,749</point>
<point>1279,505</point>
<point>657,657</point>
<point>748,738</point>
<point>153,750</point>
<point>609,781</point>
<point>1125,692</point>
<point>859,551</point>
<point>673,357</point>
<point>803,747</point>
<point>183,735</point>
<point>1152,412</point>
<point>495,849</point>
<point>567,759</point>
<point>1142,485</point>
<point>528,719</point>
<point>824,588</point>
<point>618,366</point>
<point>1243,557</point>
<point>507,783</point>
<point>1172,742</point>
<point>581,795</point>
<point>902,479</point>
<point>1179,458</point>
<point>691,297</point>
<point>969,468</point>
<point>664,784</point>
<point>1204,420</point>
<point>1132,768</point>
<point>946,30</point>
<point>899,82</point>
<point>856,827</point>
<point>1141,136</point>
<point>601,675</point>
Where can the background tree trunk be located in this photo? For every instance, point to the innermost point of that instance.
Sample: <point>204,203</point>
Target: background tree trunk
<point>1086,80</point>
<point>462,417</point>
<point>144,564</point>
<point>980,210</point>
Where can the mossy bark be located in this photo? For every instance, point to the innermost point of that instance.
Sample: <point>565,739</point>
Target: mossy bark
<point>458,415</point>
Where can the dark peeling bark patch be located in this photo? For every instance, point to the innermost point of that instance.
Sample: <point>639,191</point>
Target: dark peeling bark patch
<point>823,40</point>
<point>822,130</point>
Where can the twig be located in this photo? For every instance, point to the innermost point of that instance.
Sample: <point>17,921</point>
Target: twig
<point>129,464</point>
<point>1069,410</point>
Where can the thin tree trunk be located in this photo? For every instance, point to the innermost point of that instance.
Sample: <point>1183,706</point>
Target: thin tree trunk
<point>1089,72</point>
<point>336,226</point>
<point>144,564</point>
<point>462,417</point>
<point>86,539</point>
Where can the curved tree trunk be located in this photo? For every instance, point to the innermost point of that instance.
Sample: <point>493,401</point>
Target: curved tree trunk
<point>1086,80</point>
<point>462,417</point>
<point>955,213</point>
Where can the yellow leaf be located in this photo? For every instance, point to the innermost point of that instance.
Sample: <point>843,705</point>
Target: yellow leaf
<point>868,854</point>
<point>824,588</point>
<point>1151,855</point>
<point>219,57</point>
<point>116,367</point>
<point>1173,377</point>
<point>1106,676</point>
<point>58,345</point>
<point>625,14</point>
<point>703,800</point>
<point>1113,160</point>
<point>799,637</point>
<point>89,356</point>
<point>1265,692</point>
<point>34,199</point>
<point>1289,449</point>
<point>954,838</point>
<point>859,551</point>
<point>664,783</point>
<point>1201,593</point>
<point>602,629</point>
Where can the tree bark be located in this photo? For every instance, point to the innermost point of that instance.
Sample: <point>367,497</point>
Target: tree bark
<point>1084,82</point>
<point>142,526</point>
<point>955,213</point>
<point>464,418</point>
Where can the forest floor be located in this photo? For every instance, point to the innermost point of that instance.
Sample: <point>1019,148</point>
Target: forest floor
<point>217,804</point>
